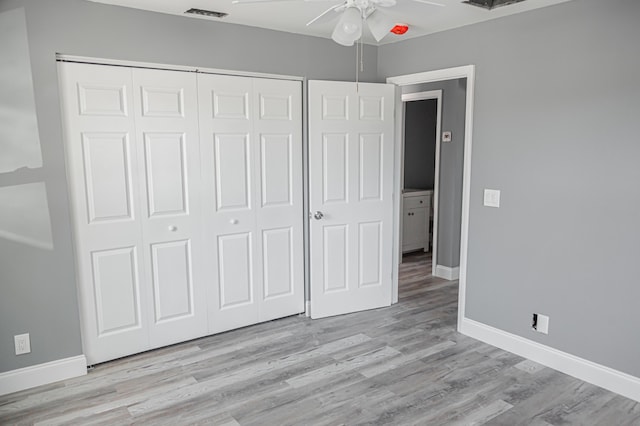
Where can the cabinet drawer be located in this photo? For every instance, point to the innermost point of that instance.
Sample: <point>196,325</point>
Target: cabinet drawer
<point>413,202</point>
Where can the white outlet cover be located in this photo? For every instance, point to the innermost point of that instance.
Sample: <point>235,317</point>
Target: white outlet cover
<point>492,198</point>
<point>22,344</point>
<point>446,136</point>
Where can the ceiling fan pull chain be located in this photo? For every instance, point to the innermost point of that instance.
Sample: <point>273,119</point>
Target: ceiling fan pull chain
<point>357,68</point>
<point>361,56</point>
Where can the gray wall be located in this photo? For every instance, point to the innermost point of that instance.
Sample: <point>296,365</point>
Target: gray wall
<point>451,164</point>
<point>557,99</point>
<point>37,287</point>
<point>556,130</point>
<point>420,143</point>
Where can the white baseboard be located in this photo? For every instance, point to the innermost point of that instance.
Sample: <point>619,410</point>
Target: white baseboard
<point>599,375</point>
<point>42,374</point>
<point>447,272</point>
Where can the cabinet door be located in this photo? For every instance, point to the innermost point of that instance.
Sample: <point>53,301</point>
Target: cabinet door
<point>415,228</point>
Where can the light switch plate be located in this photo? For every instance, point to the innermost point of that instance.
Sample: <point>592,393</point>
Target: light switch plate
<point>492,197</point>
<point>543,324</point>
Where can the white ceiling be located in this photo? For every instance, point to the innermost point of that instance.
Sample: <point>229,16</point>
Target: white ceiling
<point>292,15</point>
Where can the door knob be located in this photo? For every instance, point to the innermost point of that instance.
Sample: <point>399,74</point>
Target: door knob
<point>318,215</point>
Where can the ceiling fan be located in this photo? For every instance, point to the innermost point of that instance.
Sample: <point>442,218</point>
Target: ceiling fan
<point>354,14</point>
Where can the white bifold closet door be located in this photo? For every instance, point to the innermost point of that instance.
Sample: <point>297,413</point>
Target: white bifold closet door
<point>166,119</point>
<point>133,166</point>
<point>251,160</point>
<point>167,252</point>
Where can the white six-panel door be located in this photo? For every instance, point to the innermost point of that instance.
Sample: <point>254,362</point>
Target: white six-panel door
<point>168,251</point>
<point>351,181</point>
<point>166,120</point>
<point>252,193</point>
<point>105,184</point>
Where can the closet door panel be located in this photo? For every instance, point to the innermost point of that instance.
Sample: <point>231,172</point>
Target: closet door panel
<point>279,210</point>
<point>232,154</point>
<point>172,280</point>
<point>166,117</point>
<point>228,175</point>
<point>276,166</point>
<point>116,282</point>
<point>107,176</point>
<point>166,173</point>
<point>278,262</point>
<point>236,271</point>
<point>105,202</point>
<point>236,278</point>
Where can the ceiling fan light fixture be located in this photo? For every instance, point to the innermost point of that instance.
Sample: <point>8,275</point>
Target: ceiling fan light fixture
<point>349,28</point>
<point>379,24</point>
<point>400,29</point>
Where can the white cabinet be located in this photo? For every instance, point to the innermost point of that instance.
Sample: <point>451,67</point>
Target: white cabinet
<point>186,192</point>
<point>416,212</point>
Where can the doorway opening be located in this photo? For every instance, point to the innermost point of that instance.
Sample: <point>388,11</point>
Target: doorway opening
<point>420,173</point>
<point>455,189</point>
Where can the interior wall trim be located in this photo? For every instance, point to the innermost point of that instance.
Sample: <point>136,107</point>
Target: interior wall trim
<point>42,374</point>
<point>591,372</point>
<point>447,272</point>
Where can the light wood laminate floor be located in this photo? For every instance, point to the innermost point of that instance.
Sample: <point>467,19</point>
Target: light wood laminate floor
<point>400,365</point>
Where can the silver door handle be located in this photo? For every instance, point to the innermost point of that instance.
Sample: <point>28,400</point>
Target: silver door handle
<point>318,215</point>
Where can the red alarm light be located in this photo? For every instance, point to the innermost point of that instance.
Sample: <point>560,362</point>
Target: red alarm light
<point>400,29</point>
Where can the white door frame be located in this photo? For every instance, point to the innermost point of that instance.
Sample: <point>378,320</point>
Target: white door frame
<point>421,96</point>
<point>468,72</point>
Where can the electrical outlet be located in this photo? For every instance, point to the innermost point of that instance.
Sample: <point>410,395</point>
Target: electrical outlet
<point>22,343</point>
<point>540,323</point>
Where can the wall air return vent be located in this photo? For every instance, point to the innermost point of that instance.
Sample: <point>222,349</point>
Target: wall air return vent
<point>208,13</point>
<point>490,4</point>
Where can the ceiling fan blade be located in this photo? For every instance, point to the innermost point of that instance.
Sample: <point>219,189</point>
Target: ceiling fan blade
<point>326,15</point>
<point>432,3</point>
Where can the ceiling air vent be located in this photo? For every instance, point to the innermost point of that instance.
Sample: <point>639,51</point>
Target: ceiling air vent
<point>209,13</point>
<point>490,4</point>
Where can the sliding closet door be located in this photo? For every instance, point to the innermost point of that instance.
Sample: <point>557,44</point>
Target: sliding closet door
<point>166,118</point>
<point>252,196</point>
<point>105,196</point>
